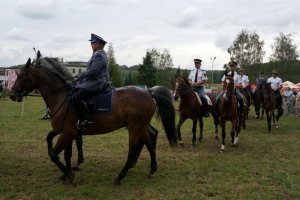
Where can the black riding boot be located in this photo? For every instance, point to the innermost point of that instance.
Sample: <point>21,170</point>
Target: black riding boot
<point>84,114</point>
<point>205,108</point>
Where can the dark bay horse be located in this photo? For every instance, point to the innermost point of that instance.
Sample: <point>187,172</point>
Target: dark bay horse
<point>229,111</point>
<point>270,104</point>
<point>190,108</point>
<point>258,102</point>
<point>132,108</point>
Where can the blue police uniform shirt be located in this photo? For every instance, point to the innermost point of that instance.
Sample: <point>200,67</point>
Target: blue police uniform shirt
<point>96,74</point>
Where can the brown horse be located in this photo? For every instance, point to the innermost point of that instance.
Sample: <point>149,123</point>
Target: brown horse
<point>190,108</point>
<point>270,104</point>
<point>132,107</point>
<point>258,102</point>
<point>228,111</point>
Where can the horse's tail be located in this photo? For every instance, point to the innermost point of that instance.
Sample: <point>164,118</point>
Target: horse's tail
<point>166,113</point>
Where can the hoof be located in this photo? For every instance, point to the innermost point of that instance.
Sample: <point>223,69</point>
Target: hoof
<point>216,137</point>
<point>222,150</point>
<point>117,182</point>
<point>277,126</point>
<point>62,178</point>
<point>181,143</point>
<point>150,176</point>
<point>235,145</point>
<point>71,177</point>
<point>76,168</point>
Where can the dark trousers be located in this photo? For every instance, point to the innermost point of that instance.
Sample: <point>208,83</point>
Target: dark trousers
<point>79,99</point>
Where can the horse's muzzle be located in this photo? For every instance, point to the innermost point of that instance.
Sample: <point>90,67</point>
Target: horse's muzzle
<point>16,97</point>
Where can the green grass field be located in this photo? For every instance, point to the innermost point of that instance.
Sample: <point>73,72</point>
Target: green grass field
<point>264,166</point>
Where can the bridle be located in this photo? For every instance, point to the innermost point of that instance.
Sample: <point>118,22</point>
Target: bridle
<point>179,90</point>
<point>25,80</point>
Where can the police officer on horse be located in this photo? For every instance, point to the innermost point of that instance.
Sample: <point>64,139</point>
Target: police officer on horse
<point>91,81</point>
<point>197,79</point>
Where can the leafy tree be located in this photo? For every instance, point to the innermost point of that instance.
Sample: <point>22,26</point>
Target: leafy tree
<point>283,48</point>
<point>147,70</point>
<point>161,60</point>
<point>247,49</point>
<point>113,67</point>
<point>178,72</point>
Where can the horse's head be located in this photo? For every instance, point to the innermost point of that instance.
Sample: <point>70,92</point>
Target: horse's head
<point>24,83</point>
<point>266,90</point>
<point>228,85</point>
<point>182,87</point>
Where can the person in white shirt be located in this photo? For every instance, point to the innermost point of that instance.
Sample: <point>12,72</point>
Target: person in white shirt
<point>242,80</point>
<point>197,79</point>
<point>276,85</point>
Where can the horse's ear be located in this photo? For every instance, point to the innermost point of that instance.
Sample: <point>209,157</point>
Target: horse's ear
<point>27,63</point>
<point>225,73</point>
<point>38,55</point>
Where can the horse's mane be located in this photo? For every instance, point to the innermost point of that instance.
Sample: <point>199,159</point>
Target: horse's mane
<point>53,66</point>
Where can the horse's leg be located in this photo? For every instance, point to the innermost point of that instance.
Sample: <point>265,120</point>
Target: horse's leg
<point>194,132</point>
<point>222,122</point>
<point>69,171</point>
<point>279,114</point>
<point>236,128</point>
<point>80,158</point>
<point>181,121</point>
<point>49,140</point>
<point>153,136</point>
<point>216,123</point>
<point>201,129</point>
<point>257,108</point>
<point>151,146</point>
<point>262,112</point>
<point>60,145</point>
<point>268,120</point>
<point>134,141</point>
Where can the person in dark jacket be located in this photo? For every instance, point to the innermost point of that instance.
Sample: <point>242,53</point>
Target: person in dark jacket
<point>92,80</point>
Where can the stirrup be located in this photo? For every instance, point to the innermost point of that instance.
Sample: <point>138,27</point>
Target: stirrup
<point>84,123</point>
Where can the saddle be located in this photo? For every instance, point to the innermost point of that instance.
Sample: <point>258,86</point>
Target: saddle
<point>100,103</point>
<point>209,102</point>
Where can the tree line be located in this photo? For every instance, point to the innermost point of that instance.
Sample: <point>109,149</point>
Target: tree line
<point>157,67</point>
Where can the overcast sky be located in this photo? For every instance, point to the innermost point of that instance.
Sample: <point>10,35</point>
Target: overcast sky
<point>187,28</point>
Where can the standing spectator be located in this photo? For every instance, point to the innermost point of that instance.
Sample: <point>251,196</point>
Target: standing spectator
<point>288,96</point>
<point>297,104</point>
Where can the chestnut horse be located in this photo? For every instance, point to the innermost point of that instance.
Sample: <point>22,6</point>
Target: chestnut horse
<point>132,108</point>
<point>270,104</point>
<point>229,111</point>
<point>190,108</point>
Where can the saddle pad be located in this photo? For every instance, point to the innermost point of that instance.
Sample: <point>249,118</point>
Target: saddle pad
<point>103,103</point>
<point>209,102</point>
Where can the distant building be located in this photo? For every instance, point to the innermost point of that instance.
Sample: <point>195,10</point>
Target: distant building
<point>75,68</point>
<point>9,75</point>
